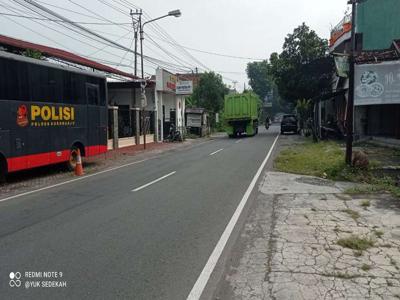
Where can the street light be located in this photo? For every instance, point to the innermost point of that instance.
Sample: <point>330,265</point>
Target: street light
<point>173,13</point>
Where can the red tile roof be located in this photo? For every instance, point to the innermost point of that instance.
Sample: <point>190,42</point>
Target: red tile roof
<point>61,54</point>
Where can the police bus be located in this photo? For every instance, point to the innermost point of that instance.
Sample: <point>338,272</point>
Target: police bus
<point>47,112</point>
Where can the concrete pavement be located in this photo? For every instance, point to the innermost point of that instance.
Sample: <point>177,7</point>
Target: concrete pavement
<point>306,239</point>
<point>125,233</point>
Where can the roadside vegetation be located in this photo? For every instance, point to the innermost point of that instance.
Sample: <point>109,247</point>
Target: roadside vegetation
<point>326,159</point>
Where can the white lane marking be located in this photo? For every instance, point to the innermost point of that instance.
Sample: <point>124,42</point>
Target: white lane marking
<point>215,152</point>
<point>154,181</point>
<point>201,282</point>
<point>238,141</point>
<point>72,180</point>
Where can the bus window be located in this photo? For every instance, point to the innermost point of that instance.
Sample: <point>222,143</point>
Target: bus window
<point>92,92</point>
<point>14,84</point>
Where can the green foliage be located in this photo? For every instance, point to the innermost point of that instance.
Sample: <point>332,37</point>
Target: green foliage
<point>303,69</point>
<point>303,108</point>
<point>260,77</point>
<point>210,92</point>
<point>324,159</point>
<point>356,243</point>
<point>32,54</point>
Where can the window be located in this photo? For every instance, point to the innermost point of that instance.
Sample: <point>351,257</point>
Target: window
<point>92,92</point>
<point>14,83</point>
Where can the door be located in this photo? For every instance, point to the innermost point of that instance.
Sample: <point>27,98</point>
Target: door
<point>93,119</point>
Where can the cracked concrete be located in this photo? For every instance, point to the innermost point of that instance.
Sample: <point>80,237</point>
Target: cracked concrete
<point>290,244</point>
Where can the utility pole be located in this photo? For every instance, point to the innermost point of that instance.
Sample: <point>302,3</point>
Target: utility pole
<point>350,102</point>
<point>136,27</point>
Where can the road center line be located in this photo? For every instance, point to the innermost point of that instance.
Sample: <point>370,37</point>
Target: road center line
<point>238,141</point>
<point>201,282</point>
<point>154,181</point>
<point>215,152</point>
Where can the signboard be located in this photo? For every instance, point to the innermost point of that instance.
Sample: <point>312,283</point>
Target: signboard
<point>193,120</point>
<point>342,65</point>
<point>377,84</point>
<point>184,87</point>
<point>165,81</point>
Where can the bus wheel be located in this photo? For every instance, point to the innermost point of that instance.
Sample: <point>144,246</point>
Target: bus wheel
<point>73,155</point>
<point>3,170</point>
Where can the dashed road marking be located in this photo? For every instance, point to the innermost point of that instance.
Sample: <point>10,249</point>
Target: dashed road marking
<point>154,181</point>
<point>215,152</point>
<point>73,180</point>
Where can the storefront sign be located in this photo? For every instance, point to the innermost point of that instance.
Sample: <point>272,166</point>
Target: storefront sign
<point>377,84</point>
<point>165,81</point>
<point>184,88</point>
<point>342,65</point>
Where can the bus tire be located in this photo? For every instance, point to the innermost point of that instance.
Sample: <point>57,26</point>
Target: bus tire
<point>3,169</point>
<point>73,154</point>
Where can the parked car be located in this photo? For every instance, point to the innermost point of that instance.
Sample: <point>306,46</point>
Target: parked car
<point>289,123</point>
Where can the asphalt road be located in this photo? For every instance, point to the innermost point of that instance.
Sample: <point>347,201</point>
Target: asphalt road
<point>119,234</point>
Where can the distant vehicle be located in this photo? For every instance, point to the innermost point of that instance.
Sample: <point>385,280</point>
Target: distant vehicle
<point>48,112</point>
<point>241,114</point>
<point>278,117</point>
<point>289,124</point>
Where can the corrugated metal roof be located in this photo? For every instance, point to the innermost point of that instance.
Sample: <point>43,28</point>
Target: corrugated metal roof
<point>61,54</point>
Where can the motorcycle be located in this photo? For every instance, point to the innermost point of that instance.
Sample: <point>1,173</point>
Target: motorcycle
<point>174,135</point>
<point>267,123</point>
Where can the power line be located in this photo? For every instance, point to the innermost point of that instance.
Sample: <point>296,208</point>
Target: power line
<point>209,52</point>
<point>61,21</point>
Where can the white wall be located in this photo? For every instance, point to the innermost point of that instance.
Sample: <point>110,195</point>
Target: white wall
<point>125,97</point>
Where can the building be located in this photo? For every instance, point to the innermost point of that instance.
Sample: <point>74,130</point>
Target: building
<point>377,72</point>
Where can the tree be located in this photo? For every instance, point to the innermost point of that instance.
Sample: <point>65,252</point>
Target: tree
<point>303,70</point>
<point>259,76</point>
<point>210,92</point>
<point>303,108</point>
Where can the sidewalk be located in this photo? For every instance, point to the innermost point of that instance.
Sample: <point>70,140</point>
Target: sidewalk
<point>306,239</point>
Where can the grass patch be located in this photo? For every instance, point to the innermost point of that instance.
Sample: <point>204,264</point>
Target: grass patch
<point>326,159</point>
<point>345,275</point>
<point>323,159</point>
<point>352,213</point>
<point>356,243</point>
<point>365,203</point>
<point>378,233</point>
<point>365,267</point>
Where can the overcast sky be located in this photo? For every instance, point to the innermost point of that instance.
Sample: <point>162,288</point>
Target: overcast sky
<point>252,28</point>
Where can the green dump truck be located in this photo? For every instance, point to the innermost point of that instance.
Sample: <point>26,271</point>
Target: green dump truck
<point>241,113</point>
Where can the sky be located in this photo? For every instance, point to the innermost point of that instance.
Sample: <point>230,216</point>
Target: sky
<point>252,29</point>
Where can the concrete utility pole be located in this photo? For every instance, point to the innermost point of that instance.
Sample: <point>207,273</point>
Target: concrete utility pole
<point>350,102</point>
<point>174,13</point>
<point>136,27</point>
<point>136,24</point>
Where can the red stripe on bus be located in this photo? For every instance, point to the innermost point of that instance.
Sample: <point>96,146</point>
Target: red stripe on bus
<point>48,158</point>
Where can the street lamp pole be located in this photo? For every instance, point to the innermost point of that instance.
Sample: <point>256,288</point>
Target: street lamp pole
<point>174,13</point>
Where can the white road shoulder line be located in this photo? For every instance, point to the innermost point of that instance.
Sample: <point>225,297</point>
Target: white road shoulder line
<point>72,180</point>
<point>201,282</point>
<point>154,181</point>
<point>215,152</point>
<point>238,141</point>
